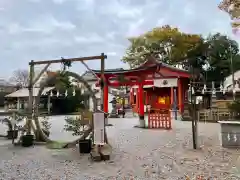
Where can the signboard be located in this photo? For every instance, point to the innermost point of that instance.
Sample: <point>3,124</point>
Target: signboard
<point>98,120</point>
<point>165,82</point>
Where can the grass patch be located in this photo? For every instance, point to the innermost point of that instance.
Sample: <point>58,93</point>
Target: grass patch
<point>56,145</point>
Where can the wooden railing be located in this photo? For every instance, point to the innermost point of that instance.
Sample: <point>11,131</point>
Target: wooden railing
<point>214,115</point>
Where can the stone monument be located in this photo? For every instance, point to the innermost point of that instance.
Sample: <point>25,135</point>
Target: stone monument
<point>114,113</point>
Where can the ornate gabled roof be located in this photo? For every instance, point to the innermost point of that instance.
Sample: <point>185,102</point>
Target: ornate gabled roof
<point>117,71</point>
<point>150,63</point>
<point>150,60</point>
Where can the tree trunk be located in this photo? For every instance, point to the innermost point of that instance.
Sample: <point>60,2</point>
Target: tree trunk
<point>39,132</point>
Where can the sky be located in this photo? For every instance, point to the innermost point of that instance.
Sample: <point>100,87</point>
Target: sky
<point>51,29</point>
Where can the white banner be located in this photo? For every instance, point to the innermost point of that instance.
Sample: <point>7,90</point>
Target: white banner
<point>98,120</point>
<point>165,82</point>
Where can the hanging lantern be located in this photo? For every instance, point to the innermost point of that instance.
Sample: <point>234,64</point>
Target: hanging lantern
<point>74,92</point>
<point>66,93</point>
<point>51,93</point>
<point>57,93</point>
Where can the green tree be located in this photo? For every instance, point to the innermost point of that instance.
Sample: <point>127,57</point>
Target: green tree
<point>70,103</point>
<point>222,52</point>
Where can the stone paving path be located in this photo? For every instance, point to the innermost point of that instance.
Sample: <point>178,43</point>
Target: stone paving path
<point>137,154</point>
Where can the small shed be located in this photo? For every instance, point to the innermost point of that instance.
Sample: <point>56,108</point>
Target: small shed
<point>22,97</point>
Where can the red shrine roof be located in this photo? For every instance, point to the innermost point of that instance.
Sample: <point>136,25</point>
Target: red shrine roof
<point>150,65</point>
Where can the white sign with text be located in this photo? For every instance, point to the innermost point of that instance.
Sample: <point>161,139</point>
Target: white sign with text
<point>98,120</point>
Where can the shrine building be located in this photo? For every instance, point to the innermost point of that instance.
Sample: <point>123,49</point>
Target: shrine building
<point>154,85</point>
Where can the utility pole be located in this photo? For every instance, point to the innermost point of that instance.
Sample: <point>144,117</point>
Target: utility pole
<point>193,105</point>
<point>232,70</point>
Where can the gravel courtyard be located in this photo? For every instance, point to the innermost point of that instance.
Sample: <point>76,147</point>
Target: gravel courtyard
<point>137,154</point>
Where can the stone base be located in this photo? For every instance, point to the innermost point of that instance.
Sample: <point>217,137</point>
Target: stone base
<point>141,122</point>
<point>101,153</point>
<point>230,132</point>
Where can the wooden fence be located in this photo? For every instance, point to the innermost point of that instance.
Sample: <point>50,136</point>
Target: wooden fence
<point>214,115</point>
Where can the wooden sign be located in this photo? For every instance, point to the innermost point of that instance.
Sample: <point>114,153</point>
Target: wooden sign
<point>165,82</point>
<point>98,120</point>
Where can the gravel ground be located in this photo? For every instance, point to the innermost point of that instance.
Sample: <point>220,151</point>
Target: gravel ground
<point>137,154</point>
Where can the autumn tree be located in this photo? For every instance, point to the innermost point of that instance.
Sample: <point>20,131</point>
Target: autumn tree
<point>217,52</point>
<point>167,44</point>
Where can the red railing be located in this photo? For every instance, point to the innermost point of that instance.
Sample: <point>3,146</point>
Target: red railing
<point>159,119</point>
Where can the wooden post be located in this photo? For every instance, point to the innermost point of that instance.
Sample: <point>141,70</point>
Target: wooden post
<point>49,104</point>
<point>41,73</point>
<point>14,116</point>
<point>18,104</point>
<point>30,102</point>
<point>103,80</point>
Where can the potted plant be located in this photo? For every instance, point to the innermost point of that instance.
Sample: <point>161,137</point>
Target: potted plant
<point>230,129</point>
<point>77,125</point>
<point>27,140</point>
<point>12,132</point>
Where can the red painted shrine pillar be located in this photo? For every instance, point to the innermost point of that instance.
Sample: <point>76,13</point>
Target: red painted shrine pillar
<point>172,97</point>
<point>137,100</point>
<point>131,98</point>
<point>105,98</point>
<point>180,96</point>
<point>141,105</point>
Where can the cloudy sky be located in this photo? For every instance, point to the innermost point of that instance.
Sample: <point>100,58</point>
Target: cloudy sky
<point>50,29</point>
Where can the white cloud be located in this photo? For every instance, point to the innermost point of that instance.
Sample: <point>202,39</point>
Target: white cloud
<point>111,53</point>
<point>71,28</point>
<point>59,1</point>
<point>89,38</point>
<point>48,24</point>
<point>44,24</point>
<point>135,28</point>
<point>160,22</point>
<point>35,1</point>
<point>14,28</point>
<point>115,7</point>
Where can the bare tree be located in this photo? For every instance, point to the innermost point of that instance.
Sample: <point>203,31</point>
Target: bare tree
<point>20,77</point>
